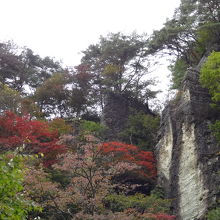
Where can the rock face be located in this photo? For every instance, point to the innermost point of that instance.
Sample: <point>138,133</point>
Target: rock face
<point>187,153</point>
<point>118,108</point>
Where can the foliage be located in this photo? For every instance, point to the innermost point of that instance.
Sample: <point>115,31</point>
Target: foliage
<point>127,215</point>
<point>208,35</point>
<point>216,130</point>
<point>91,173</point>
<point>192,32</point>
<point>59,125</point>
<point>143,204</point>
<point>13,204</point>
<point>10,99</point>
<point>131,153</point>
<point>178,70</point>
<point>141,131</point>
<point>46,193</point>
<point>20,67</point>
<point>29,107</point>
<point>213,214</point>
<point>87,171</point>
<point>117,63</point>
<point>210,79</point>
<point>210,75</point>
<point>91,127</point>
<point>52,94</point>
<point>34,136</point>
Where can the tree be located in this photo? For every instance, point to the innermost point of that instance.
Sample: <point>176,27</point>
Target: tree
<point>36,69</point>
<point>10,99</point>
<point>117,63</point>
<point>210,75</point>
<point>34,136</point>
<point>20,67</point>
<point>130,153</point>
<point>192,32</point>
<point>141,130</point>
<point>210,79</point>
<point>10,65</point>
<point>13,204</point>
<point>52,95</point>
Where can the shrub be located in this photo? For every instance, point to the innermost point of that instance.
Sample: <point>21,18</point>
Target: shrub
<point>59,125</point>
<point>214,214</point>
<point>13,204</point>
<point>141,203</point>
<point>141,130</point>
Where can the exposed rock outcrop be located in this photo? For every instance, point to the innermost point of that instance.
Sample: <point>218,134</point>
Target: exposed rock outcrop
<point>118,108</point>
<point>187,153</point>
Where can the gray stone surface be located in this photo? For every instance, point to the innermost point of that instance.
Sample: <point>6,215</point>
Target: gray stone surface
<point>117,109</point>
<point>187,152</point>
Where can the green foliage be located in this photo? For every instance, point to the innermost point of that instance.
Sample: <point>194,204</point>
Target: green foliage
<point>13,204</point>
<point>141,130</point>
<point>91,127</point>
<point>117,63</point>
<point>214,214</point>
<point>208,34</point>
<point>140,202</point>
<point>216,130</point>
<point>210,79</point>
<point>210,75</point>
<point>52,94</point>
<point>178,70</point>
<point>9,99</point>
<point>59,125</point>
<point>192,31</point>
<point>61,177</point>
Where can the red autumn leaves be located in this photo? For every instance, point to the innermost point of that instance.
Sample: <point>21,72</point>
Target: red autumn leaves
<point>35,136</point>
<point>131,153</point>
<point>17,131</point>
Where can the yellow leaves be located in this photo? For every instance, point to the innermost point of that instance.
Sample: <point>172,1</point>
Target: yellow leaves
<point>111,69</point>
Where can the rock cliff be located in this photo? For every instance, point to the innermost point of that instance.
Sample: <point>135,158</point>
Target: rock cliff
<point>118,108</point>
<point>187,153</point>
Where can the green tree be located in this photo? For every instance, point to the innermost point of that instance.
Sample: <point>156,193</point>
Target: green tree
<point>141,131</point>
<point>117,63</point>
<point>210,79</point>
<point>210,75</point>
<point>20,67</point>
<point>35,69</point>
<point>188,35</point>
<point>52,94</point>
<point>13,204</point>
<point>10,99</point>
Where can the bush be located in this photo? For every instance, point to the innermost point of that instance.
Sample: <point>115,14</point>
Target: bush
<point>214,214</point>
<point>59,125</point>
<point>149,204</point>
<point>210,75</point>
<point>141,131</point>
<point>13,204</point>
<point>91,127</point>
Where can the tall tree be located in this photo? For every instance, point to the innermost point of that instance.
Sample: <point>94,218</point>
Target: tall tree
<point>192,31</point>
<point>52,95</point>
<point>117,63</point>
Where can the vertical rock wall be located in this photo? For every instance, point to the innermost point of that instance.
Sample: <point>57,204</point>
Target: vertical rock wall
<point>117,109</point>
<point>187,152</point>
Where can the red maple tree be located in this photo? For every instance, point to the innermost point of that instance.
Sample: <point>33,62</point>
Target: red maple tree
<point>127,152</point>
<point>35,136</point>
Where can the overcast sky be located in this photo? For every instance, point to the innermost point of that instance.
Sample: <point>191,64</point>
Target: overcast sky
<point>63,28</point>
